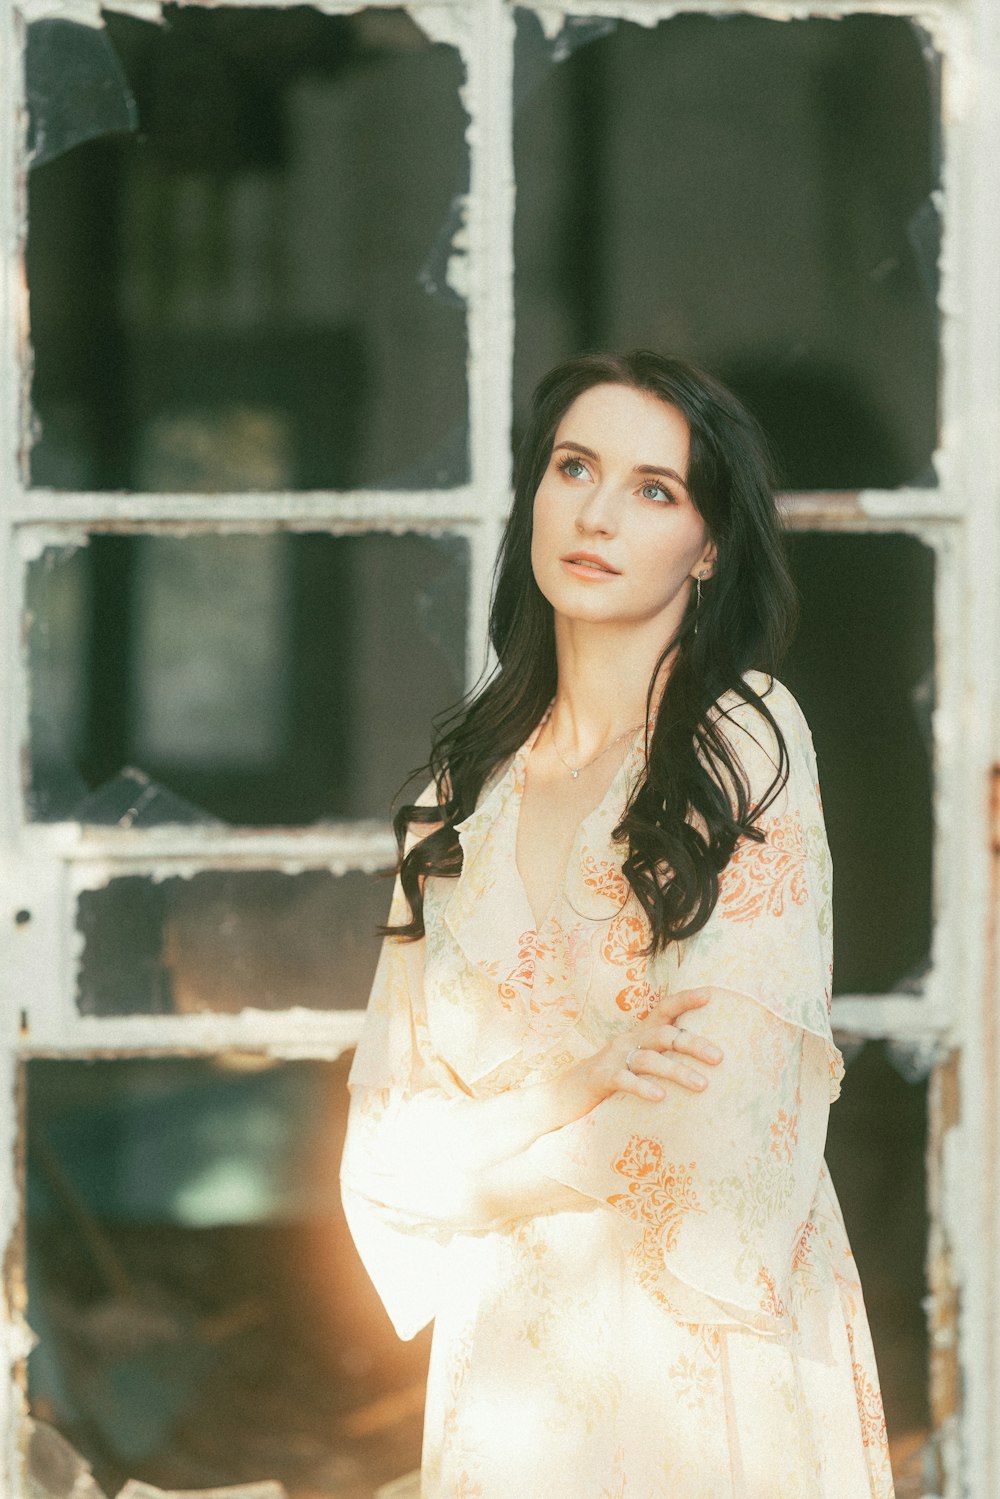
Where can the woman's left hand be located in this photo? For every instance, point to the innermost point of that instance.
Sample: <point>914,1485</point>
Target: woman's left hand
<point>641,1060</point>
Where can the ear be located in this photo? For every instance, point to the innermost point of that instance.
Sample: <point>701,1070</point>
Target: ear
<point>705,566</point>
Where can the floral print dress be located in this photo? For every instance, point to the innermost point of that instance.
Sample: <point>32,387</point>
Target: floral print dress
<point>687,1321</point>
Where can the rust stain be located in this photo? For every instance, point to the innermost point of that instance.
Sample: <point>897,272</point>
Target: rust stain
<point>943,1300</point>
<point>15,1283</point>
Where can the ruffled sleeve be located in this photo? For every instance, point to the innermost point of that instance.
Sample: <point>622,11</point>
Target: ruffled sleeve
<point>398,1196</point>
<point>712,1190</point>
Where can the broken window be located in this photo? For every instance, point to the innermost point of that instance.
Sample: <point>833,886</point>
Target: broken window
<point>755,195</point>
<point>247,266</point>
<point>229,940</point>
<point>249,679</point>
<point>251,290</point>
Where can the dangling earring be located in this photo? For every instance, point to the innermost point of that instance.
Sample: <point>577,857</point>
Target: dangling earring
<point>697,600</point>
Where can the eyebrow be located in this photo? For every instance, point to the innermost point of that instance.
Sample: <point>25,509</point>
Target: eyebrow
<point>661,469</point>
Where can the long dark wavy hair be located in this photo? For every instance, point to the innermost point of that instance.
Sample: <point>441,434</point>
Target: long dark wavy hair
<point>686,814</point>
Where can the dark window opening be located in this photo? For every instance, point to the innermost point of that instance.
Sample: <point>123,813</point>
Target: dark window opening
<point>754,195</point>
<point>249,292</point>
<point>255,679</point>
<point>862,667</point>
<point>228,941</point>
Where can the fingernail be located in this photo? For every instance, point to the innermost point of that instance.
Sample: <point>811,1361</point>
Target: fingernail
<point>714,1053</point>
<point>657,1094</point>
<point>700,1082</point>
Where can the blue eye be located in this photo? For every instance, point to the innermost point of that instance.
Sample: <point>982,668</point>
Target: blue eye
<point>574,468</point>
<point>653,491</point>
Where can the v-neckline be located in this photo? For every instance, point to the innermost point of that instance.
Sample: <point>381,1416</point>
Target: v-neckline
<point>520,769</point>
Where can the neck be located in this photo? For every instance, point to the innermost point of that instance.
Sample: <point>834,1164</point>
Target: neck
<point>603,679</point>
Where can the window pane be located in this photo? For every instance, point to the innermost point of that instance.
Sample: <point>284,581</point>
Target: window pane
<point>229,941</point>
<point>862,667</point>
<point>255,679</point>
<point>751,194</point>
<point>203,1318</point>
<point>250,292</point>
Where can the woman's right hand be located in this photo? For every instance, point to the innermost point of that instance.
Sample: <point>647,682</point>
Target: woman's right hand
<point>656,1048</point>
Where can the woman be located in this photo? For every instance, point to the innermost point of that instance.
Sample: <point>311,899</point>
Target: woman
<point>590,1103</point>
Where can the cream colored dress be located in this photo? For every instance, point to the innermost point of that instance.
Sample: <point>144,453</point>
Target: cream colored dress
<point>692,1326</point>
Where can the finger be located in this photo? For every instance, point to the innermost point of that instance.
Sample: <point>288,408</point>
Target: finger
<point>676,1038</point>
<point>670,1068</point>
<point>673,1005</point>
<point>692,1045</point>
<point>664,1038</point>
<point>638,1085</point>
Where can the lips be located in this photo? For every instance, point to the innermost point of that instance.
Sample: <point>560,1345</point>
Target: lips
<point>590,561</point>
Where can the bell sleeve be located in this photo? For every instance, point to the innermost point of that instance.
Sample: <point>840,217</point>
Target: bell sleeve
<point>712,1192</point>
<point>404,1189</point>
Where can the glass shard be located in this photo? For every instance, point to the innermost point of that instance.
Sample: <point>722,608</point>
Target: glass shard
<point>75,88</point>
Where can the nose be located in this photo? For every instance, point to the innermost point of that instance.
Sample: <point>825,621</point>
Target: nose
<point>597,514</point>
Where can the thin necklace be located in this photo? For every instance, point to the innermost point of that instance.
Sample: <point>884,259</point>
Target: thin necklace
<point>575,771</point>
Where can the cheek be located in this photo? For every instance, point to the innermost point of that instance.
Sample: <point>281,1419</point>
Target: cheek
<point>541,525</point>
<point>537,536</point>
<point>667,561</point>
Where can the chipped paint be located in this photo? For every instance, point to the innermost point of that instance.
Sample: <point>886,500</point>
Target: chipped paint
<point>88,12</point>
<point>445,23</point>
<point>942,1301</point>
<point>651,12</point>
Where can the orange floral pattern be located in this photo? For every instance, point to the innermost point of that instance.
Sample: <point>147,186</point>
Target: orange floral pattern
<point>869,1398</point>
<point>802,1253</point>
<point>785,1135</point>
<point>659,1195</point>
<point>765,877</point>
<point>540,982</point>
<point>771,1301</point>
<point>627,936</point>
<point>604,878</point>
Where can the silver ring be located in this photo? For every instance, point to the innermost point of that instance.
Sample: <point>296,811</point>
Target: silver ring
<point>633,1053</point>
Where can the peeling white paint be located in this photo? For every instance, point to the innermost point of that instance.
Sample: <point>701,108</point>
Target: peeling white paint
<point>446,23</point>
<point>41,514</point>
<point>88,12</point>
<point>458,261</point>
<point>651,12</point>
<point>80,12</point>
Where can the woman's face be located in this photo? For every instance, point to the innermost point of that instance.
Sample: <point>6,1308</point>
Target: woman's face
<point>616,537</point>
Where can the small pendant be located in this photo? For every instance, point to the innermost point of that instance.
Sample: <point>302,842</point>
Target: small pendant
<point>574,774</point>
